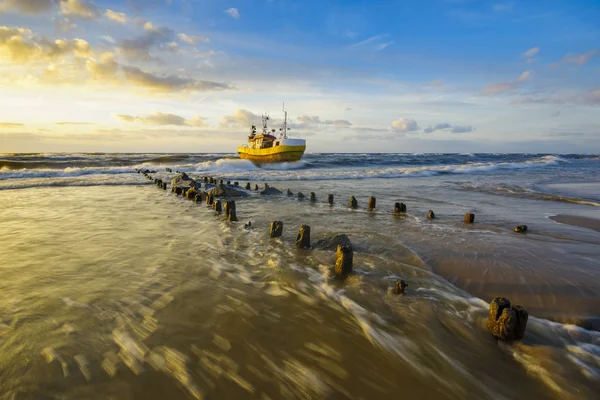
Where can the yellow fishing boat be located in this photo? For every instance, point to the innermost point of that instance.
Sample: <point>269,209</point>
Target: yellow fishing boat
<point>265,147</point>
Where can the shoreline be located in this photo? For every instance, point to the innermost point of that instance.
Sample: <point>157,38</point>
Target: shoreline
<point>575,220</point>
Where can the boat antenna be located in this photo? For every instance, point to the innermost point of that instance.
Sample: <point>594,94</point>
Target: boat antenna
<point>284,126</point>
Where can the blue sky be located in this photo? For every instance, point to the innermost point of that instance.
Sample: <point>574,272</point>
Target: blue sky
<point>401,76</point>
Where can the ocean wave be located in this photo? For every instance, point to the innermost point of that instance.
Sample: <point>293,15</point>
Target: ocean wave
<point>526,193</point>
<point>312,167</point>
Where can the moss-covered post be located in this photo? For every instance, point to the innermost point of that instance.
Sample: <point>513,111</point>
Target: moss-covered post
<point>276,229</point>
<point>303,238</point>
<point>469,218</point>
<point>353,202</point>
<point>372,203</point>
<point>343,259</point>
<point>430,214</point>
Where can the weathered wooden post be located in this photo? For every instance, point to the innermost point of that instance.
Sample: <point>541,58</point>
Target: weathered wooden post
<point>276,229</point>
<point>312,197</point>
<point>256,187</point>
<point>521,228</point>
<point>289,193</point>
<point>164,185</point>
<point>228,207</point>
<point>303,238</point>
<point>236,184</point>
<point>330,199</point>
<point>217,206</point>
<point>343,259</point>
<point>400,286</point>
<point>199,198</point>
<point>353,202</point>
<point>232,217</point>
<point>469,218</point>
<point>430,214</point>
<point>399,208</point>
<point>210,199</point>
<point>206,179</point>
<point>248,186</point>
<point>507,322</point>
<point>229,182</point>
<point>221,181</point>
<point>372,203</point>
<point>300,196</point>
<point>191,193</point>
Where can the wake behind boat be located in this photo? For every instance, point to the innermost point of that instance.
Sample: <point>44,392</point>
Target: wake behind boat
<point>265,147</point>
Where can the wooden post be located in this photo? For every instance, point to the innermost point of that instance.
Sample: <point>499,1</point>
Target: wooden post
<point>300,196</point>
<point>430,214</point>
<point>236,184</point>
<point>372,203</point>
<point>399,208</point>
<point>330,199</point>
<point>469,218</point>
<point>229,206</point>
<point>164,185</point>
<point>276,229</point>
<point>231,216</point>
<point>229,182</point>
<point>248,186</point>
<point>210,199</point>
<point>289,193</point>
<point>400,286</point>
<point>521,228</point>
<point>217,206</point>
<point>343,260</point>
<point>303,238</point>
<point>312,197</point>
<point>353,202</point>
<point>256,187</point>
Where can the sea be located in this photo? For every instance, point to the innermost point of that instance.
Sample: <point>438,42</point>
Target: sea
<point>111,288</point>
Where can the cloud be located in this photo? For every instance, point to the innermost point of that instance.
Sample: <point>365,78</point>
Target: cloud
<point>139,47</point>
<point>435,83</point>
<point>531,52</point>
<point>105,68</point>
<point>436,127</point>
<point>240,118</point>
<point>451,128</point>
<point>169,83</point>
<point>28,6</point>
<point>116,16</point>
<point>160,119</point>
<point>192,40</point>
<point>10,125</point>
<point>63,123</point>
<point>65,24</point>
<point>22,46</point>
<point>461,129</point>
<point>502,87</point>
<point>404,125</point>
<point>564,134</point>
<point>591,98</point>
<point>233,12</point>
<point>79,9</point>
<point>306,121</point>
<point>579,59</point>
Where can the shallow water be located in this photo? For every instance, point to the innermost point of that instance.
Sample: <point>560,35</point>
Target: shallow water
<point>112,288</point>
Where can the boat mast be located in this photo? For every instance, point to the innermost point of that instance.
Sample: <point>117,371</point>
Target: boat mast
<point>284,126</point>
<point>265,118</point>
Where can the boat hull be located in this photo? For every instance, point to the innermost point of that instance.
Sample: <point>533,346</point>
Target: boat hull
<point>272,154</point>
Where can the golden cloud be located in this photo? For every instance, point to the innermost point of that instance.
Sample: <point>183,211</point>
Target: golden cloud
<point>164,119</point>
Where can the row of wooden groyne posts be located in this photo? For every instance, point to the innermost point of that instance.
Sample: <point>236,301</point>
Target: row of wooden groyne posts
<point>505,321</point>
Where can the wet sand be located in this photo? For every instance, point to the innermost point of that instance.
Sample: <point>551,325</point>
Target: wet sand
<point>575,220</point>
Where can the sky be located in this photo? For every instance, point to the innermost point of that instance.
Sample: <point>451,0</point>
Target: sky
<point>355,75</point>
